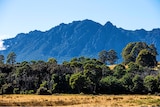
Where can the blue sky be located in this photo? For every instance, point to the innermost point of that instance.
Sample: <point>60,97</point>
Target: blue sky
<point>22,16</point>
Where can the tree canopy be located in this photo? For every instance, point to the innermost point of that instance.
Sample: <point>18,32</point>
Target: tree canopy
<point>141,53</point>
<point>139,74</point>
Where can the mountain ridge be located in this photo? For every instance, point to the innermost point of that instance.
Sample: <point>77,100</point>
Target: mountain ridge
<point>78,38</point>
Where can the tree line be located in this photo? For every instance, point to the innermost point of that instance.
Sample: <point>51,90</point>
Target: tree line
<point>137,74</point>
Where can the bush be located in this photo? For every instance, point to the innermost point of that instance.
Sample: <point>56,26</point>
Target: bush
<point>27,92</point>
<point>30,92</point>
<point>0,91</point>
<point>7,89</point>
<point>22,92</point>
<point>43,91</point>
<point>111,85</point>
<point>150,83</point>
<point>16,91</point>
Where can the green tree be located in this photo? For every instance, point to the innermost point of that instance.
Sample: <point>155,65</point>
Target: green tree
<point>106,71</point>
<point>112,56</point>
<point>103,56</point>
<point>1,58</point>
<point>137,84</point>
<point>77,66</point>
<point>94,74</point>
<point>150,83</point>
<point>52,61</point>
<point>126,53</point>
<point>2,79</point>
<point>110,85</point>
<point>158,81</point>
<point>43,91</point>
<point>145,58</point>
<point>11,58</point>
<point>132,50</point>
<point>153,50</point>
<point>119,70</point>
<point>126,80</point>
<point>77,81</point>
<point>133,68</point>
<point>7,89</point>
<point>137,48</point>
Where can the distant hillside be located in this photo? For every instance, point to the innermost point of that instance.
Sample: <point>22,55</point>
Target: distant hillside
<point>79,38</point>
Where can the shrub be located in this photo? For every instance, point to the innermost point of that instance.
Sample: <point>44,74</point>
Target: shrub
<point>16,91</point>
<point>7,89</point>
<point>43,91</point>
<point>30,92</point>
<point>0,91</point>
<point>150,83</point>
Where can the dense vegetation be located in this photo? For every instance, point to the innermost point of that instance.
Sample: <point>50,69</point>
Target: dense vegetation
<point>137,74</point>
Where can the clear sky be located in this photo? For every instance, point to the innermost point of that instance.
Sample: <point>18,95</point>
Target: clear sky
<point>22,16</point>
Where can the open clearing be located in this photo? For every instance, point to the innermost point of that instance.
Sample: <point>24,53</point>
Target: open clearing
<point>79,100</point>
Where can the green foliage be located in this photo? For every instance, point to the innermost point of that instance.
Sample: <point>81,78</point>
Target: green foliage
<point>85,75</point>
<point>1,59</point>
<point>78,81</point>
<point>30,92</point>
<point>126,81</point>
<point>150,83</point>
<point>52,61</point>
<point>11,58</point>
<point>27,92</point>
<point>153,50</point>
<point>137,84</point>
<point>133,53</point>
<point>110,84</point>
<point>94,74</point>
<point>106,71</point>
<point>2,79</point>
<point>103,56</point>
<point>126,53</point>
<point>7,89</point>
<point>110,56</point>
<point>119,70</point>
<point>133,68</point>
<point>44,84</point>
<point>43,91</point>
<point>16,91</point>
<point>145,58</point>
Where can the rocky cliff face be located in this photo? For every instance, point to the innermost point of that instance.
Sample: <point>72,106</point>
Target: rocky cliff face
<point>79,38</point>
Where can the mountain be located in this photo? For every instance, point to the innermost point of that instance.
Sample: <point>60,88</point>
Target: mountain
<point>79,38</point>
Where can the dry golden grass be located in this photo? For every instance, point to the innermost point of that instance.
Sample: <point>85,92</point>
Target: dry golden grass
<point>79,100</point>
<point>112,66</point>
<point>158,63</point>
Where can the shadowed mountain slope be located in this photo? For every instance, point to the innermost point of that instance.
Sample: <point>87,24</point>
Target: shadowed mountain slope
<point>79,38</point>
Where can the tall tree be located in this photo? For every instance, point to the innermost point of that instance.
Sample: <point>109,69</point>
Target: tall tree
<point>1,58</point>
<point>126,53</point>
<point>94,74</point>
<point>150,83</point>
<point>145,58</point>
<point>132,50</point>
<point>103,56</point>
<point>153,50</point>
<point>112,56</point>
<point>11,58</point>
<point>137,84</point>
<point>119,70</point>
<point>110,84</point>
<point>77,81</point>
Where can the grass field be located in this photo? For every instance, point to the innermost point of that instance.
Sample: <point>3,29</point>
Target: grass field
<point>79,100</point>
